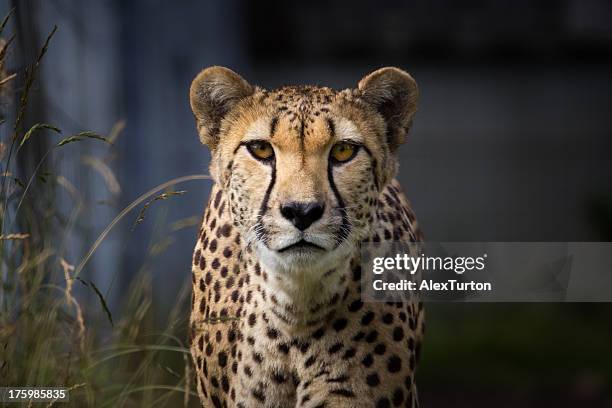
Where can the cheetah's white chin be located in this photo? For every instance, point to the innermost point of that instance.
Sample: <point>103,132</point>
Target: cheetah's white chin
<point>315,262</point>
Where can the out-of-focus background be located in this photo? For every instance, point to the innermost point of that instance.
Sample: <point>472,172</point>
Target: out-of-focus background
<point>512,142</point>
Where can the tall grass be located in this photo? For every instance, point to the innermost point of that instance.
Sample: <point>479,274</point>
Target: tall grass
<point>56,328</point>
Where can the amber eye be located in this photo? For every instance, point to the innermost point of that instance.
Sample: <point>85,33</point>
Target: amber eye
<point>261,150</point>
<point>343,152</point>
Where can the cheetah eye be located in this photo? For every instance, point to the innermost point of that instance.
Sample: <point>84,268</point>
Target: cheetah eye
<point>261,150</point>
<point>343,152</point>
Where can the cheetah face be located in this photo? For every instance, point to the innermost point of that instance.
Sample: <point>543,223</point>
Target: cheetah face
<point>302,191</point>
<point>302,167</point>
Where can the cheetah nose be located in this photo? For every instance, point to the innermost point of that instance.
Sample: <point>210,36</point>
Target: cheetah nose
<point>302,215</point>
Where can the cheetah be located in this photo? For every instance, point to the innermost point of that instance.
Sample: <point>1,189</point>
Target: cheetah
<point>302,176</point>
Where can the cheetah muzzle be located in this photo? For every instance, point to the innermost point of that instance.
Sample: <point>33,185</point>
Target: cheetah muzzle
<point>302,176</point>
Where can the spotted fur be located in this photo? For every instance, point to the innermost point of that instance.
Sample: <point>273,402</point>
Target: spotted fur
<point>276,328</point>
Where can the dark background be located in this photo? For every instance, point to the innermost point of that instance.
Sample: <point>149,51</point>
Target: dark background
<point>512,142</point>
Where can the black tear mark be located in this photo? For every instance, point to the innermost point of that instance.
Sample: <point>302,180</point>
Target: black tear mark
<point>259,229</point>
<point>345,228</point>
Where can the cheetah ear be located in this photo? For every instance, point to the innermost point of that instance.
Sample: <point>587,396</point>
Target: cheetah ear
<point>214,92</point>
<point>394,94</point>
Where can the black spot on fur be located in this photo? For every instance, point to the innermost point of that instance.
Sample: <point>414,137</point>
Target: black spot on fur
<point>394,364</point>
<point>372,380</point>
<point>340,324</point>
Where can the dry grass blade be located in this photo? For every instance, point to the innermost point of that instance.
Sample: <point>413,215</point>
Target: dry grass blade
<point>67,268</point>
<point>82,136</point>
<point>14,237</point>
<point>160,247</point>
<point>169,370</point>
<point>70,300</point>
<point>105,171</point>
<point>69,187</point>
<point>116,131</point>
<point>35,128</point>
<point>34,262</point>
<point>163,196</point>
<point>185,223</point>
<point>8,78</point>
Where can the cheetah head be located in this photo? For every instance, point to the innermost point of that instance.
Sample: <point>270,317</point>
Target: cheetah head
<point>302,167</point>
